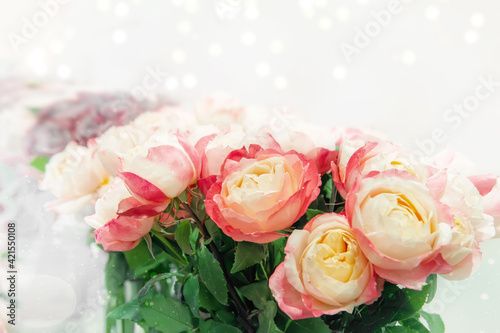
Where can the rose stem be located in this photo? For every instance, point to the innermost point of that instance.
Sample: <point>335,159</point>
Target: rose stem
<point>215,251</point>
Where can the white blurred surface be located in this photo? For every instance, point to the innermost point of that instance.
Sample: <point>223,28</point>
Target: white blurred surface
<point>284,54</point>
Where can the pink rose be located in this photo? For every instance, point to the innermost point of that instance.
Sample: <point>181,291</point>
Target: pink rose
<point>358,158</point>
<point>219,108</point>
<point>471,225</point>
<point>400,227</point>
<point>324,271</point>
<point>317,143</point>
<point>117,232</point>
<point>489,187</point>
<point>161,168</point>
<point>260,192</point>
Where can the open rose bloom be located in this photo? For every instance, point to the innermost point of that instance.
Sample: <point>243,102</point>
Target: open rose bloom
<point>264,223</point>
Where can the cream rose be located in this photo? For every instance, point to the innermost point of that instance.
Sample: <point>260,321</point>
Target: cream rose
<point>399,226</point>
<point>76,177</point>
<point>115,143</point>
<point>324,271</point>
<point>260,192</point>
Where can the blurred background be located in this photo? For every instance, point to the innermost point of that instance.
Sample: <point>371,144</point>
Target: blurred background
<point>427,73</point>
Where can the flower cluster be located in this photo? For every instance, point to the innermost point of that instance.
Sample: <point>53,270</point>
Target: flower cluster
<point>355,209</point>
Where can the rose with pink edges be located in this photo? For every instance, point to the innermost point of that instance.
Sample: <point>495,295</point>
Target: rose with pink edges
<point>324,271</point>
<point>114,231</point>
<point>400,226</point>
<point>261,192</point>
<point>161,168</point>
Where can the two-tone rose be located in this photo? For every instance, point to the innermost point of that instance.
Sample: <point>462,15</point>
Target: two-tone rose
<point>400,226</point>
<point>260,192</point>
<point>324,271</point>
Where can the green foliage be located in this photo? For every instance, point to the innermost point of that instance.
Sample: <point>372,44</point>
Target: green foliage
<point>140,260</point>
<point>311,213</point>
<point>166,314</point>
<point>434,322</point>
<point>211,275</point>
<point>40,162</point>
<point>311,325</point>
<point>129,311</point>
<point>191,293</point>
<point>396,305</point>
<point>266,318</point>
<point>211,326</point>
<point>247,254</point>
<point>183,237</point>
<point>258,292</point>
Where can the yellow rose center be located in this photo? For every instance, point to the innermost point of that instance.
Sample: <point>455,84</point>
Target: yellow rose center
<point>335,254</point>
<point>262,177</point>
<point>404,217</point>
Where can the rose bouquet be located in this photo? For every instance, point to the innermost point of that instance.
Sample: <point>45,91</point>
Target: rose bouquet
<point>238,219</point>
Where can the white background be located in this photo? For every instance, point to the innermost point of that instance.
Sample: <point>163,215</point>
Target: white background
<point>287,55</point>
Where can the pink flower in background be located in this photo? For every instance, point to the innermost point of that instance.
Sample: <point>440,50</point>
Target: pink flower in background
<point>169,118</point>
<point>317,143</point>
<point>471,226</point>
<point>86,116</point>
<point>216,147</point>
<point>487,184</point>
<point>118,232</point>
<point>261,192</point>
<point>219,108</point>
<point>400,227</point>
<point>357,158</point>
<point>161,168</point>
<point>489,187</point>
<point>324,271</point>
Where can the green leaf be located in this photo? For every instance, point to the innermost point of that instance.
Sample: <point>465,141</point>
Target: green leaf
<point>414,324</point>
<point>182,236</point>
<point>140,260</point>
<point>432,282</point>
<point>225,316</point>
<point>207,301</point>
<point>193,238</point>
<point>143,293</point>
<point>434,321</point>
<point>40,162</point>
<point>415,299</point>
<point>277,251</point>
<point>311,325</point>
<point>191,292</point>
<point>166,314</point>
<point>398,329</point>
<point>116,272</point>
<point>214,231</point>
<point>247,254</point>
<point>211,326</point>
<point>170,247</point>
<point>212,276</point>
<point>326,185</point>
<point>258,292</point>
<point>128,311</point>
<point>312,213</point>
<point>266,318</point>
